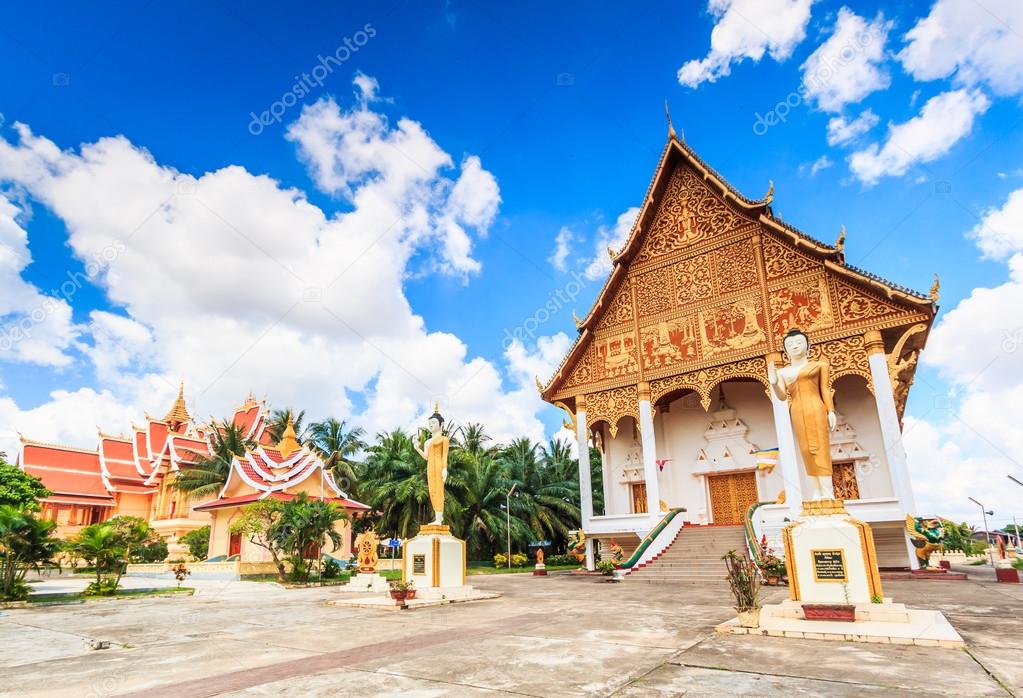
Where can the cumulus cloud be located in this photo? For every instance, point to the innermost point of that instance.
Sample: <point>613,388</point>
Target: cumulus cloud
<point>974,43</point>
<point>842,130</point>
<point>562,248</point>
<point>942,122</point>
<point>614,237</point>
<point>848,66</point>
<point>812,168</point>
<point>747,29</point>
<point>237,283</point>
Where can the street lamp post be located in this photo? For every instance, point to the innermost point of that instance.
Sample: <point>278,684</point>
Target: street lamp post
<point>987,533</point>
<point>507,510</point>
<point>1015,528</point>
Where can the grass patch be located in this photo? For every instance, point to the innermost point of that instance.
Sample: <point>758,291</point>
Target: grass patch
<point>120,594</point>
<point>977,563</point>
<point>504,570</point>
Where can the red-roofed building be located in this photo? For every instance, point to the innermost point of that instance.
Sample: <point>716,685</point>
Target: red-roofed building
<point>280,472</point>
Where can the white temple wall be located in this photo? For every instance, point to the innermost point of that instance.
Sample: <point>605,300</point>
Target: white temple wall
<point>621,454</point>
<point>856,403</point>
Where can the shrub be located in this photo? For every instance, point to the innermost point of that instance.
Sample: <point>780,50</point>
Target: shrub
<point>18,591</point>
<point>606,567</point>
<point>104,587</point>
<point>500,560</point>
<point>519,560</point>
<point>154,552</point>
<point>561,560</point>
<point>331,570</point>
<point>198,542</point>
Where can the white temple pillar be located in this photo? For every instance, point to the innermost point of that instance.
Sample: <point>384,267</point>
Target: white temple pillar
<point>891,433</point>
<point>646,432</point>
<point>585,481</point>
<point>787,461</point>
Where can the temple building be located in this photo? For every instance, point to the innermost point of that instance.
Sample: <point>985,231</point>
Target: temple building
<point>667,378</point>
<point>134,475</point>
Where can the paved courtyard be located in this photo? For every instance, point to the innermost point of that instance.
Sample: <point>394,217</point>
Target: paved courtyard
<point>561,635</point>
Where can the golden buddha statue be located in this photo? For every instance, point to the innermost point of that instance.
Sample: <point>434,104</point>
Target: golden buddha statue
<point>435,452</point>
<point>804,384</point>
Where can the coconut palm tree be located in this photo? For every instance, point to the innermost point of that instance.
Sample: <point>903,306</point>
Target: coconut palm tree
<point>394,483</point>
<point>548,505</point>
<point>478,488</point>
<point>472,440</point>
<point>337,445</point>
<point>205,476</point>
<point>277,422</point>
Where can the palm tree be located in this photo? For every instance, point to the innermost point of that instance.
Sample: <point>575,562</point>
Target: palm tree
<point>205,476</point>
<point>336,445</point>
<point>548,504</point>
<point>101,546</point>
<point>303,523</point>
<point>478,488</point>
<point>26,542</point>
<point>471,439</point>
<point>394,483</point>
<point>278,422</point>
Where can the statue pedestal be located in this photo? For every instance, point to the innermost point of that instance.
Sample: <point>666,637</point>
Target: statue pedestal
<point>435,561</point>
<point>367,581</point>
<point>830,556</point>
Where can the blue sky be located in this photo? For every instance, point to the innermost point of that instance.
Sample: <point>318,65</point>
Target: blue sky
<point>563,107</point>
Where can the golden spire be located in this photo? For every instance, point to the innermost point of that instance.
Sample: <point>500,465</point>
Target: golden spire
<point>671,129</point>
<point>578,322</point>
<point>840,242</point>
<point>769,196</point>
<point>935,289</point>
<point>289,441</point>
<point>436,407</point>
<point>178,412</point>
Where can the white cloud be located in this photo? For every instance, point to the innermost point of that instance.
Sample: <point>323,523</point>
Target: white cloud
<point>747,29</point>
<point>977,347</point>
<point>842,131</point>
<point>236,283</point>
<point>942,122</point>
<point>847,67</point>
<point>34,327</point>
<point>976,43</point>
<point>614,237</point>
<point>812,168</point>
<point>562,248</point>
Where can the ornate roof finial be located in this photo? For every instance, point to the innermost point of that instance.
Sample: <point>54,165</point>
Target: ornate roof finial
<point>178,412</point>
<point>840,242</point>
<point>289,440</point>
<point>769,196</point>
<point>935,289</point>
<point>539,385</point>
<point>611,253</point>
<point>671,129</point>
<point>436,406</point>
<point>578,322</point>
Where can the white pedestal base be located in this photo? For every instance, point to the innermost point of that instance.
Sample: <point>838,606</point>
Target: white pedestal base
<point>434,559</point>
<point>367,582</point>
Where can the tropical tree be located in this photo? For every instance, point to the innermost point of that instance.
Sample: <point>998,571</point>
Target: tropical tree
<point>277,422</point>
<point>19,489</point>
<point>205,476</point>
<point>198,542</point>
<point>472,440</point>
<point>134,533</point>
<point>306,523</point>
<point>337,445</point>
<point>547,504</point>
<point>259,523</point>
<point>101,546</point>
<point>478,490</point>
<point>394,484</point>
<point>26,542</point>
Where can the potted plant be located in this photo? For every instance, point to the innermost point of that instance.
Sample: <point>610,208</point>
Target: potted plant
<point>845,612</point>
<point>773,568</point>
<point>744,580</point>
<point>400,590</point>
<point>607,568</point>
<point>180,572</point>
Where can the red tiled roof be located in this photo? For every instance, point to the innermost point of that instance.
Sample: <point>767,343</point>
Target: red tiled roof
<point>65,457</point>
<point>66,482</point>
<point>279,496</point>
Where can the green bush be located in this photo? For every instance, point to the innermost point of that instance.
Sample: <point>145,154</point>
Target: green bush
<point>17,592</point>
<point>606,567</point>
<point>500,560</point>
<point>198,542</point>
<point>561,560</point>
<point>518,560</point>
<point>331,570</point>
<point>104,587</point>
<point>153,552</point>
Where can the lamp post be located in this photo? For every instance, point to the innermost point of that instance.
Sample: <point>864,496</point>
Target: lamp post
<point>507,510</point>
<point>987,534</point>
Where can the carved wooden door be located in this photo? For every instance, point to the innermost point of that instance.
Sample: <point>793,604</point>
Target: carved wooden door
<point>639,498</point>
<point>731,496</point>
<point>843,478</point>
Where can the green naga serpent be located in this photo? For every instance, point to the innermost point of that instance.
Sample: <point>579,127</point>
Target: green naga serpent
<point>928,535</point>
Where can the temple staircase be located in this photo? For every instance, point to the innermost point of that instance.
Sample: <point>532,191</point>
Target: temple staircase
<point>693,558</point>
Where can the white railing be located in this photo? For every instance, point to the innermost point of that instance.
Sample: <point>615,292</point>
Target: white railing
<point>659,544</point>
<point>640,524</point>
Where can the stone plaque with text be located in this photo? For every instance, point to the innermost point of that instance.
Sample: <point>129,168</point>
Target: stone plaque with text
<point>829,565</point>
<point>419,564</point>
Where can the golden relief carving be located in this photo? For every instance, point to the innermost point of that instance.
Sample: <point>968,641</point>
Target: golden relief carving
<point>731,327</point>
<point>804,305</point>
<point>856,306</point>
<point>611,405</point>
<point>689,213</point>
<point>781,261</point>
<point>654,292</point>
<point>692,281</point>
<point>902,367</point>
<point>736,267</point>
<point>615,356</point>
<point>846,356</point>
<point>843,481</point>
<point>619,310</point>
<point>704,380</point>
<point>667,343</point>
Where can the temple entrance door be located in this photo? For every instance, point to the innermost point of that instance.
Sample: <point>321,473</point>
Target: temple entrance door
<point>731,496</point>
<point>235,546</point>
<point>638,497</point>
